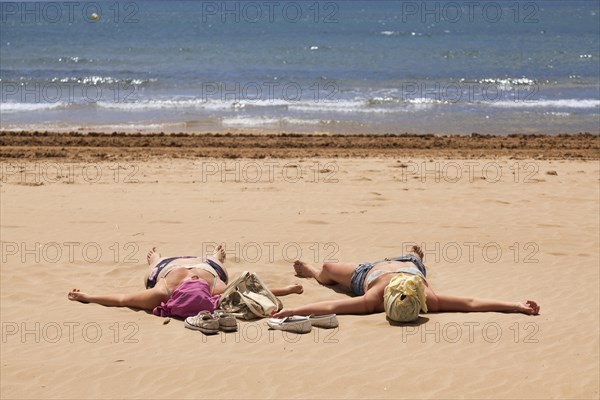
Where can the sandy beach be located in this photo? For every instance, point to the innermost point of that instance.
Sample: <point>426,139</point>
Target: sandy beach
<point>512,218</point>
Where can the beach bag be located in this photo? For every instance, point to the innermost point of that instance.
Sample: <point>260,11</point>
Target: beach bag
<point>248,298</point>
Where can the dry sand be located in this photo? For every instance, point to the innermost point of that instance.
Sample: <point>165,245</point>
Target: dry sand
<point>491,227</point>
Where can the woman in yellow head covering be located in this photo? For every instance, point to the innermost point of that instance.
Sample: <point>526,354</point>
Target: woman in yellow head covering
<point>397,286</point>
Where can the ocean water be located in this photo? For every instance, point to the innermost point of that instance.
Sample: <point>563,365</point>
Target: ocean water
<point>446,67</point>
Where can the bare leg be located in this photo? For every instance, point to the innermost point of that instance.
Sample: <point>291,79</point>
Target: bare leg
<point>330,274</point>
<point>295,288</point>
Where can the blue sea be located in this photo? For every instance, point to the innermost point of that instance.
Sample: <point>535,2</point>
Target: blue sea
<point>444,67</point>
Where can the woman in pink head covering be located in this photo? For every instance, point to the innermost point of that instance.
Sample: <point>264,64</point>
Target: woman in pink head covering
<point>177,286</point>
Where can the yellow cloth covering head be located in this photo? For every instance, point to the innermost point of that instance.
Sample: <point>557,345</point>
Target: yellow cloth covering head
<point>404,298</point>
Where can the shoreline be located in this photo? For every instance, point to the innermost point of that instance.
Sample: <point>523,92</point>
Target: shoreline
<point>94,146</point>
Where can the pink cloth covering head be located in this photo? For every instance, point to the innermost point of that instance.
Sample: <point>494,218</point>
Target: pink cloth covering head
<point>188,300</point>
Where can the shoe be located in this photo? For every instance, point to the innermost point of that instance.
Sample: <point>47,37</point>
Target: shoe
<point>328,321</point>
<point>296,324</point>
<point>227,322</point>
<point>203,322</point>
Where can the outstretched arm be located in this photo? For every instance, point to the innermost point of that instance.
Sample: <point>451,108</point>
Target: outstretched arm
<point>443,303</point>
<point>367,304</point>
<point>146,300</point>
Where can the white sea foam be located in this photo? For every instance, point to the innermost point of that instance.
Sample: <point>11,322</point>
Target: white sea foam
<point>144,105</point>
<point>27,107</point>
<point>397,33</point>
<point>75,60</point>
<point>278,103</point>
<point>557,114</point>
<point>344,106</point>
<point>374,105</point>
<point>509,81</point>
<point>298,121</point>
<point>97,80</point>
<point>425,101</point>
<point>341,106</point>
<point>66,127</point>
<point>192,103</point>
<point>503,83</point>
<point>245,121</point>
<point>139,127</point>
<point>562,103</point>
<point>249,121</point>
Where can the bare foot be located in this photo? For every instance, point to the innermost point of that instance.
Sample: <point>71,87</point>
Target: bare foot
<point>296,288</point>
<point>417,251</point>
<point>219,254</point>
<point>76,295</point>
<point>305,270</point>
<point>153,256</point>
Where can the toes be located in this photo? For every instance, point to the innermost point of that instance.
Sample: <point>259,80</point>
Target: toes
<point>220,252</point>
<point>150,253</point>
<point>418,251</point>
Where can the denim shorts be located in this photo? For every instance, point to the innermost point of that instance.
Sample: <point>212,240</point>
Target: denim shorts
<point>357,282</point>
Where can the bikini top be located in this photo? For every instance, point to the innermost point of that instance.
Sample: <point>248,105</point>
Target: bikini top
<point>376,274</point>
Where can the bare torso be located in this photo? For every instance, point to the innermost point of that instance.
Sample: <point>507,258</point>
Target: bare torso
<point>178,275</point>
<point>181,270</point>
<point>377,286</point>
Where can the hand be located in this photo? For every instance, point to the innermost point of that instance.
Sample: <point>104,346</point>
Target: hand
<point>76,295</point>
<point>283,313</point>
<point>528,307</point>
